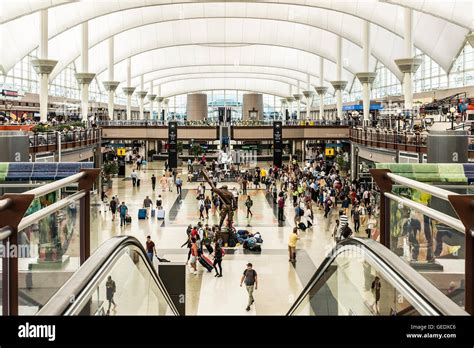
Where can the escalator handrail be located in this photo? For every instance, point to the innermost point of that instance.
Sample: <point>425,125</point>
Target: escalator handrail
<point>60,302</point>
<point>424,288</point>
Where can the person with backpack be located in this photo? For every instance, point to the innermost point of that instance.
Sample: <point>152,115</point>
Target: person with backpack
<point>123,210</point>
<point>113,207</point>
<point>218,254</point>
<point>249,204</point>
<point>159,202</point>
<point>251,283</point>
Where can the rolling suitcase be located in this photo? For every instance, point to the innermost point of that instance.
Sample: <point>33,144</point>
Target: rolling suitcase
<point>141,214</point>
<point>206,263</point>
<point>153,212</point>
<point>128,219</point>
<point>160,214</point>
<point>138,182</point>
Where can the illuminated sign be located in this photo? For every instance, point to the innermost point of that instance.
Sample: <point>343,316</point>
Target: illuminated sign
<point>329,151</point>
<point>121,152</point>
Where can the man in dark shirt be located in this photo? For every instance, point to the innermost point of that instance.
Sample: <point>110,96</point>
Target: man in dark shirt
<point>153,182</point>
<point>251,283</point>
<point>150,248</point>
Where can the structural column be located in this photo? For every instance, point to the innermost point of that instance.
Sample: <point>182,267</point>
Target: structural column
<point>339,84</point>
<point>308,94</point>
<point>366,77</point>
<point>298,97</point>
<point>283,104</point>
<point>128,90</point>
<point>321,90</point>
<point>151,98</point>
<point>166,102</point>
<point>111,85</point>
<point>141,95</point>
<point>160,100</point>
<point>196,106</point>
<point>84,78</point>
<point>43,66</point>
<point>409,65</point>
<point>252,102</point>
<point>290,101</point>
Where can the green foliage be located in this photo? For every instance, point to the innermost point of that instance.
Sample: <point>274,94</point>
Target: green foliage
<point>110,168</point>
<point>196,150</point>
<point>343,165</point>
<point>151,152</point>
<point>180,147</point>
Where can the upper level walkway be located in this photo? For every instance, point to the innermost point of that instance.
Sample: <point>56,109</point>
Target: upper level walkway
<point>250,130</point>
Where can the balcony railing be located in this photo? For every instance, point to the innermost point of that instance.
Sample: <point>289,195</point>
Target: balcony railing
<point>48,141</point>
<point>404,141</point>
<point>246,123</point>
<point>153,123</point>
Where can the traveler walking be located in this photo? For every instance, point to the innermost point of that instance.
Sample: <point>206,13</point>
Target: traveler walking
<point>134,176</point>
<point>179,185</point>
<point>251,283</point>
<point>218,253</point>
<point>147,204</point>
<point>153,182</point>
<point>113,207</point>
<point>281,207</point>
<point>150,248</point>
<point>194,256</point>
<point>110,291</point>
<point>123,210</point>
<point>292,244</point>
<point>248,204</point>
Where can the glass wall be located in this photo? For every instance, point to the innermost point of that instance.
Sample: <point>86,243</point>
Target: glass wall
<point>428,77</point>
<point>48,254</point>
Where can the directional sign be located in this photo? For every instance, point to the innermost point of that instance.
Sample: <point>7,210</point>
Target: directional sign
<point>121,151</point>
<point>329,151</point>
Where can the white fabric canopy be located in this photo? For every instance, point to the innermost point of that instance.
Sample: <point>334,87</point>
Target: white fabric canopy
<point>300,30</point>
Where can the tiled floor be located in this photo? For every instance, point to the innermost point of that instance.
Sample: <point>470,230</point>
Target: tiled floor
<point>280,282</point>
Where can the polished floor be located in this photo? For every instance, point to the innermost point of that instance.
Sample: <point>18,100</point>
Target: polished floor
<point>280,282</point>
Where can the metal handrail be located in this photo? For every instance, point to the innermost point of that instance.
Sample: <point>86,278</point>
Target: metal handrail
<point>5,232</point>
<point>432,190</point>
<point>50,209</point>
<point>432,213</point>
<point>5,203</point>
<point>415,282</point>
<point>56,185</point>
<point>79,284</point>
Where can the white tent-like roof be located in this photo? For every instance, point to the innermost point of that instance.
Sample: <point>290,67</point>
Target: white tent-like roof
<point>244,38</point>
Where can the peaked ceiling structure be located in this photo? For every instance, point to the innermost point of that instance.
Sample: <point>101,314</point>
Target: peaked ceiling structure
<point>265,46</point>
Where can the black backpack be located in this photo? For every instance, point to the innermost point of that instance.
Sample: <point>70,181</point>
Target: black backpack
<point>346,232</point>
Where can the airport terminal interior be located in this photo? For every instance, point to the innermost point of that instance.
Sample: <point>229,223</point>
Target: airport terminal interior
<point>187,158</point>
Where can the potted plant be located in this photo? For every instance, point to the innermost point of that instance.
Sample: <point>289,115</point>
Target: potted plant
<point>109,168</point>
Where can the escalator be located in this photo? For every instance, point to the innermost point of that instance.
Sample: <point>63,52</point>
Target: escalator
<point>345,284</point>
<point>138,288</point>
